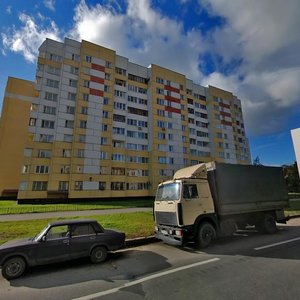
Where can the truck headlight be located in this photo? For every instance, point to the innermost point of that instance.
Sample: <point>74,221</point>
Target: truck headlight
<point>178,232</point>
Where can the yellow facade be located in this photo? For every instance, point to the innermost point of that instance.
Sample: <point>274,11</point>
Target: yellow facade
<point>103,127</point>
<point>13,132</point>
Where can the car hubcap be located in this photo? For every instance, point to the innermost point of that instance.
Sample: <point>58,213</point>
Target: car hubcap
<point>13,268</point>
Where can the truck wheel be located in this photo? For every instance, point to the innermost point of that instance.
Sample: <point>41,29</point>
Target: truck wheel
<point>13,268</point>
<point>206,234</point>
<point>98,255</point>
<point>267,224</point>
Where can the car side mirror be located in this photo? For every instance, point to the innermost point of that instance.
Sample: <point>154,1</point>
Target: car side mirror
<point>44,238</point>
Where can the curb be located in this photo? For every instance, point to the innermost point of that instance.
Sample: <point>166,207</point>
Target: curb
<point>140,241</point>
<point>292,217</point>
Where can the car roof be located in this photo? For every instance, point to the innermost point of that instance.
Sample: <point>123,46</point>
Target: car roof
<point>72,221</point>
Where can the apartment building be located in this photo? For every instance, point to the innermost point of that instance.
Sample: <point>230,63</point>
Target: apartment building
<point>98,125</point>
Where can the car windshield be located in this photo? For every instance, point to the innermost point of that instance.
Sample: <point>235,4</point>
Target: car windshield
<point>39,235</point>
<point>169,191</point>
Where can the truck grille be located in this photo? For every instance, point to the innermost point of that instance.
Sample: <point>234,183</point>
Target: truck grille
<point>165,218</point>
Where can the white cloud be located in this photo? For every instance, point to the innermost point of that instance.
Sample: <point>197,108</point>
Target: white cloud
<point>142,34</point>
<point>8,9</point>
<point>264,37</point>
<point>255,48</point>
<point>50,4</point>
<point>28,38</point>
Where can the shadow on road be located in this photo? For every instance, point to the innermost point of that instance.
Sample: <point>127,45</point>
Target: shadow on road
<point>249,242</point>
<point>120,266</point>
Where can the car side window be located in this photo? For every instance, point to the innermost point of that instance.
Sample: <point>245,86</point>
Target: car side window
<point>190,191</point>
<point>82,229</point>
<point>56,232</point>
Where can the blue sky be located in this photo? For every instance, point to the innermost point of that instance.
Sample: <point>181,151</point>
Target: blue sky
<point>248,47</point>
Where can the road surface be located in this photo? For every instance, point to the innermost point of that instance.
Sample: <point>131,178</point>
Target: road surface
<point>245,266</point>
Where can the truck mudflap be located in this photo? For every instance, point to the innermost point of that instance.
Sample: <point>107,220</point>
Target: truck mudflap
<point>169,235</point>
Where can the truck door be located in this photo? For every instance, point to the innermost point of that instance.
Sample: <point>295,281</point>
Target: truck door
<point>191,203</point>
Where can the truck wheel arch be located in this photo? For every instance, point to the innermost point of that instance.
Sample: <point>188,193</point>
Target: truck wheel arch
<point>212,218</point>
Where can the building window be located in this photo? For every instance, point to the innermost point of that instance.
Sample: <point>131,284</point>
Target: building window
<point>74,70</point>
<point>32,121</point>
<point>71,96</point>
<point>73,82</point>
<point>23,185</point>
<point>162,160</point>
<point>63,185</point>
<point>86,83</point>
<point>68,138</point>
<point>46,138</point>
<point>66,153</point>
<point>65,169</point>
<point>85,97</point>
<point>39,185</point>
<point>25,169</point>
<point>103,155</point>
<point>78,185</point>
<point>88,58</point>
<point>102,185</point>
<point>51,96</point>
<point>71,110</point>
<point>49,110</point>
<point>82,124</point>
<point>108,64</point>
<point>118,186</point>
<point>42,169</point>
<point>75,57</point>
<point>80,153</point>
<point>84,110</point>
<point>47,124</point>
<point>81,138</point>
<point>104,141</point>
<point>44,153</point>
<point>52,83</point>
<point>27,152</point>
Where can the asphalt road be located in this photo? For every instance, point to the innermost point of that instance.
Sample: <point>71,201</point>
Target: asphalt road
<point>245,266</point>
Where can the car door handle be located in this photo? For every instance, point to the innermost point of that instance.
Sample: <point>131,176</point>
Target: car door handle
<point>92,238</point>
<point>66,242</point>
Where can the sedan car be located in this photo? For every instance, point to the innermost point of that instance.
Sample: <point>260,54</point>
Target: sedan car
<point>59,241</point>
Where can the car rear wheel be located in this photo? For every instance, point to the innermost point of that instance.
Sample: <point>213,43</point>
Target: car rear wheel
<point>13,268</point>
<point>98,255</point>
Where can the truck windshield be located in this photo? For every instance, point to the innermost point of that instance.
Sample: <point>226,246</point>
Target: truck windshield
<point>169,191</point>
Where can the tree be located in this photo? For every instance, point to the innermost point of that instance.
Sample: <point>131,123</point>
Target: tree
<point>291,177</point>
<point>256,161</point>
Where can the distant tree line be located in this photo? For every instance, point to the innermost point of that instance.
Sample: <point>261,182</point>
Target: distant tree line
<point>291,176</point>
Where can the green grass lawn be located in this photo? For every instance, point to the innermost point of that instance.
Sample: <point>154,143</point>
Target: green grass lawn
<point>293,209</point>
<point>11,207</point>
<point>138,224</point>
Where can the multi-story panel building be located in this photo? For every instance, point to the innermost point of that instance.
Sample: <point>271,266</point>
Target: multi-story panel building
<point>98,125</point>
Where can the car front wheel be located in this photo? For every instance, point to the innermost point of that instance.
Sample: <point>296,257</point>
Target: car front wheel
<point>98,255</point>
<point>13,268</point>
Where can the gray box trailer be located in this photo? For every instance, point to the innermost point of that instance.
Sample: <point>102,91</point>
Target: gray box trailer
<point>245,188</point>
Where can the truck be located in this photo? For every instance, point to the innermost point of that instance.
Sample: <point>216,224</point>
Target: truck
<point>211,200</point>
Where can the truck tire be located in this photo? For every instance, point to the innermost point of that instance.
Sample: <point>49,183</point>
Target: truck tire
<point>205,235</point>
<point>266,224</point>
<point>13,268</point>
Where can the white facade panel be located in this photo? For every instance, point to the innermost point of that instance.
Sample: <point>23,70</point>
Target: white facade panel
<point>296,141</point>
<point>98,61</point>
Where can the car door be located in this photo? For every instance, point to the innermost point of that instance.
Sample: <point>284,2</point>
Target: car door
<point>83,237</point>
<point>54,246</point>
